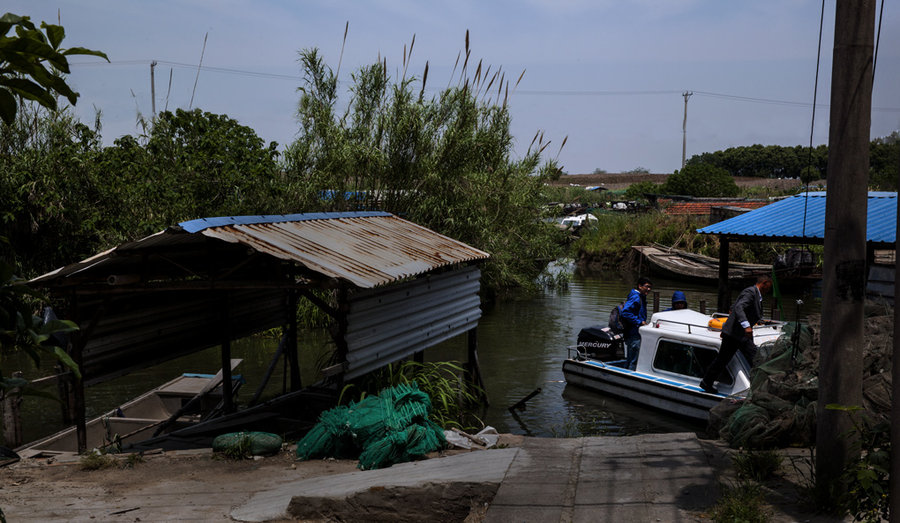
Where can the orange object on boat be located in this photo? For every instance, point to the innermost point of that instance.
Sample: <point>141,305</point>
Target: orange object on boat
<point>717,323</point>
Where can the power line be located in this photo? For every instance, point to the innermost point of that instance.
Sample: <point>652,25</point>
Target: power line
<point>533,92</point>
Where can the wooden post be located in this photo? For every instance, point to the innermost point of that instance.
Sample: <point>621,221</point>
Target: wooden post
<point>473,366</point>
<point>12,416</point>
<point>64,386</point>
<point>702,306</point>
<point>78,394</point>
<point>894,500</point>
<point>655,302</point>
<point>227,400</point>
<point>844,270</point>
<point>724,302</point>
<point>291,347</point>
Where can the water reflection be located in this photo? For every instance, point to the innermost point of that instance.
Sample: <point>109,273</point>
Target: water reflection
<point>522,343</point>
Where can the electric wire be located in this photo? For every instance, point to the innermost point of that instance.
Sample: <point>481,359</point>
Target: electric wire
<point>812,125</point>
<point>527,92</point>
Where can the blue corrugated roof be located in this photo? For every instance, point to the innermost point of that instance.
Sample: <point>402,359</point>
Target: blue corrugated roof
<point>784,219</point>
<point>199,224</point>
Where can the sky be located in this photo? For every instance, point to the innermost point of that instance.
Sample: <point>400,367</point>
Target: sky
<point>606,76</point>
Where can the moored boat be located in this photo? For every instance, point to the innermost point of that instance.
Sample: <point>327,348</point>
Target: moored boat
<point>181,402</point>
<point>674,263</point>
<point>676,348</point>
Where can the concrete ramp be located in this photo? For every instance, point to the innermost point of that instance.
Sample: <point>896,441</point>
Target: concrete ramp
<point>448,484</point>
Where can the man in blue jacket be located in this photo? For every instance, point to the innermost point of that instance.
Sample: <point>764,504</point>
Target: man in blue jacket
<point>737,333</point>
<point>634,314</point>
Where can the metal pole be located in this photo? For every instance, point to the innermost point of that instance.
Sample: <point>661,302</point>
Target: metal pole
<point>686,94</point>
<point>844,274</point>
<point>724,300</point>
<point>153,88</point>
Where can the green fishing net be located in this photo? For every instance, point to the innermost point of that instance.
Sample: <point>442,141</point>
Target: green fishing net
<point>780,409</point>
<point>392,427</point>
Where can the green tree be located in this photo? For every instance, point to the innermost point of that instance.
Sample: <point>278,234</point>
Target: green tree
<point>201,164</point>
<point>444,162</point>
<point>701,180</point>
<point>24,75</point>
<point>884,162</point>
<point>24,61</point>
<point>636,191</point>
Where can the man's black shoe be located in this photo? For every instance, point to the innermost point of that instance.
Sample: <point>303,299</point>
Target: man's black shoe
<point>708,388</point>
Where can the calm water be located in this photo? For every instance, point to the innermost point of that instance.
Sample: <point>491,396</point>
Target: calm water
<point>521,344</point>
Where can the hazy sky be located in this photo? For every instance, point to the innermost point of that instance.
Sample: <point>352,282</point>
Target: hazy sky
<point>607,74</point>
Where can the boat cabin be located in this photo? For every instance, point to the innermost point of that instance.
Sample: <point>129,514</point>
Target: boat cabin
<point>681,344</point>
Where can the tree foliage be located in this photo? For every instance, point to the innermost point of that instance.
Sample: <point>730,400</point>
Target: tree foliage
<point>773,161</point>
<point>65,197</point>
<point>637,191</point>
<point>766,161</point>
<point>884,162</point>
<point>32,64</point>
<point>444,162</point>
<point>701,180</point>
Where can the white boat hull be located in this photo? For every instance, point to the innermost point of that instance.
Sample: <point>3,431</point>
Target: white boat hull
<point>660,393</point>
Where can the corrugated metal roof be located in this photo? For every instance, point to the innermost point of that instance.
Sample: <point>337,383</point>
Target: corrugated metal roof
<point>366,249</point>
<point>705,208</point>
<point>784,219</point>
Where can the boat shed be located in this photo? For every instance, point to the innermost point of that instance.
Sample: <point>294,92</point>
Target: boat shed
<point>799,219</point>
<point>392,288</point>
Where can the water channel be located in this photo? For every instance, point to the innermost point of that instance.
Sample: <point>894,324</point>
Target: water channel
<point>521,344</point>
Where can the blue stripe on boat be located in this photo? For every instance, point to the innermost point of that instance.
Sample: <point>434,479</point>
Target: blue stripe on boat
<point>648,377</point>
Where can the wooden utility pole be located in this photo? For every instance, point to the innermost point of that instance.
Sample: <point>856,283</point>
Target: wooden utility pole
<point>686,94</point>
<point>844,274</point>
<point>894,500</point>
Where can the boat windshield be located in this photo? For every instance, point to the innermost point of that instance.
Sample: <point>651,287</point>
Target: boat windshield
<point>686,359</point>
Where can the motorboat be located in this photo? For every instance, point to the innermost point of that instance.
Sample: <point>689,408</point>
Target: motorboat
<point>676,348</point>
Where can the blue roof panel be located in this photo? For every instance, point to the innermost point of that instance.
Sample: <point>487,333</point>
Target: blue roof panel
<point>200,224</point>
<point>785,219</point>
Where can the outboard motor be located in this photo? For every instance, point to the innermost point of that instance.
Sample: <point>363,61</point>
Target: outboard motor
<point>601,343</point>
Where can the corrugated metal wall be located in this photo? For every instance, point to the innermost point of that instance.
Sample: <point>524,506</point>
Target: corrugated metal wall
<point>391,323</point>
<point>140,330</point>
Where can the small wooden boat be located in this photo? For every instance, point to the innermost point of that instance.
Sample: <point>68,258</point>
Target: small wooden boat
<point>181,402</point>
<point>672,263</point>
<point>676,349</point>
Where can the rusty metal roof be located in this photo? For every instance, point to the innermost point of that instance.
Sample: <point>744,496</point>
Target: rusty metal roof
<point>366,249</point>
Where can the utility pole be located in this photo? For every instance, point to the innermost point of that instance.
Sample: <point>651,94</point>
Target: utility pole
<point>686,94</point>
<point>844,272</point>
<point>153,88</point>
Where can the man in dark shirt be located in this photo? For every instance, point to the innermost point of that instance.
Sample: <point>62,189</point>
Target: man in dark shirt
<point>737,333</point>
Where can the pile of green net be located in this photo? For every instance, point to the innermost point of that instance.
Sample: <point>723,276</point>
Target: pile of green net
<point>780,409</point>
<point>392,427</point>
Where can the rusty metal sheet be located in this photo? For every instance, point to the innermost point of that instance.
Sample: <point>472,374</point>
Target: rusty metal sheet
<point>365,251</point>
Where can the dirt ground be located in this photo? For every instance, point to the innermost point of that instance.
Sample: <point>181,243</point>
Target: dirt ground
<point>199,486</point>
<point>175,486</point>
<point>615,182</point>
